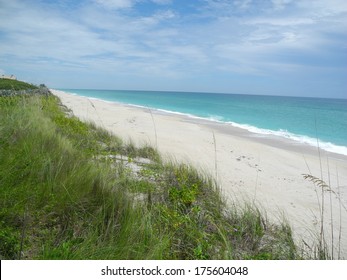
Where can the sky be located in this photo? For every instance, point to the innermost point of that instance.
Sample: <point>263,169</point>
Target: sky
<point>269,47</point>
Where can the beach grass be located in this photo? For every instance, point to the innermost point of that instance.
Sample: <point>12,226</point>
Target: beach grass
<point>9,84</point>
<point>72,190</point>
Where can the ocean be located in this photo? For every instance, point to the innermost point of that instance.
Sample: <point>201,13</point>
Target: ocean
<point>301,119</point>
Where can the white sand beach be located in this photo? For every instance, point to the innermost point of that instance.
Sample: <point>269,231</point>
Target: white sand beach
<point>249,167</point>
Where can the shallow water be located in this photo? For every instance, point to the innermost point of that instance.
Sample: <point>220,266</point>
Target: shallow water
<point>305,120</point>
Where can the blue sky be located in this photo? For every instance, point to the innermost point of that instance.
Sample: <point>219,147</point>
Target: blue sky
<point>276,47</point>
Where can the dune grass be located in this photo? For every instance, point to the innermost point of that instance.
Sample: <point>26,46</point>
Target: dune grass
<point>71,190</point>
<point>8,84</point>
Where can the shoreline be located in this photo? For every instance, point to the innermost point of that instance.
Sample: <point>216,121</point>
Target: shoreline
<point>289,138</point>
<point>263,170</point>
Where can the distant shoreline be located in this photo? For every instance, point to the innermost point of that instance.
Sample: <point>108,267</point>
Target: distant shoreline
<point>263,170</point>
<point>273,137</point>
<point>201,92</point>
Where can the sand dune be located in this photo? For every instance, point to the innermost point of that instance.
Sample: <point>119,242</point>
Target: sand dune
<point>263,170</point>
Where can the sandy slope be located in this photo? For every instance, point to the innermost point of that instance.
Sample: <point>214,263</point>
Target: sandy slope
<point>262,170</point>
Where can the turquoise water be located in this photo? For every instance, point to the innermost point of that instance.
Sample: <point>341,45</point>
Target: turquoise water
<point>298,118</point>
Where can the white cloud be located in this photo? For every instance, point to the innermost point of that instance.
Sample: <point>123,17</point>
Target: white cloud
<point>97,40</point>
<point>116,4</point>
<point>280,4</point>
<point>243,4</point>
<point>281,21</point>
<point>164,42</point>
<point>322,7</point>
<point>162,2</point>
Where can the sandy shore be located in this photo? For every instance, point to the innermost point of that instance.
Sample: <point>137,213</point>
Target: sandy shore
<point>263,170</point>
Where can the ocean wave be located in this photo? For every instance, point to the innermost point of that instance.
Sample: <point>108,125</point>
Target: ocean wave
<point>303,139</point>
<point>327,146</point>
<point>216,118</point>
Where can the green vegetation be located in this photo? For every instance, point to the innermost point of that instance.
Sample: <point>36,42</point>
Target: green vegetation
<point>71,190</point>
<point>8,84</point>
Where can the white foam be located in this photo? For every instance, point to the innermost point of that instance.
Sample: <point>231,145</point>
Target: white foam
<point>216,118</point>
<point>327,146</point>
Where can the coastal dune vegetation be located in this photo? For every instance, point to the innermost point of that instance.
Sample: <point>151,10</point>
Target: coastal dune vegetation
<point>72,190</point>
